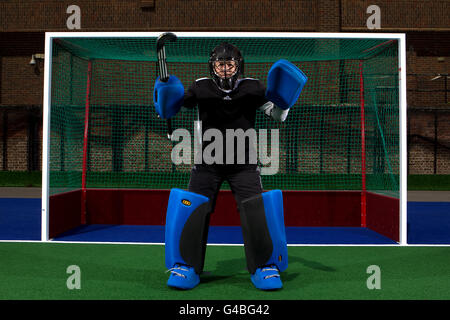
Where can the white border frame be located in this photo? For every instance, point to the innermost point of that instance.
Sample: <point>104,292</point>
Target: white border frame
<point>402,97</point>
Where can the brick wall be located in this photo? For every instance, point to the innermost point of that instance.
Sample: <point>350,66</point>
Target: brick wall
<point>328,16</point>
<point>281,15</point>
<point>429,142</point>
<point>21,83</point>
<point>27,15</point>
<point>424,89</point>
<point>23,138</point>
<point>17,141</point>
<point>398,15</point>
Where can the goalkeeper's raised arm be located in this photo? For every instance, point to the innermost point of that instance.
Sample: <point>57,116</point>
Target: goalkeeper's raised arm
<point>285,82</point>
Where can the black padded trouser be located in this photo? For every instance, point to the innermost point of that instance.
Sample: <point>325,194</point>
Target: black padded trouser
<point>245,182</point>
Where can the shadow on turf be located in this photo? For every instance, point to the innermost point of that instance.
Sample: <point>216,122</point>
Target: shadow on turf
<point>311,264</point>
<point>236,272</point>
<point>208,277</point>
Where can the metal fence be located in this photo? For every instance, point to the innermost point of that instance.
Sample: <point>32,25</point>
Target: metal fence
<point>428,140</point>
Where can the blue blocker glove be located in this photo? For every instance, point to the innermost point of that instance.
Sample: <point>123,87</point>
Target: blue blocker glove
<point>168,97</point>
<point>285,82</point>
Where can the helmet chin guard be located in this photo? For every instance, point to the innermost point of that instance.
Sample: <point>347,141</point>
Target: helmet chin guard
<point>226,52</point>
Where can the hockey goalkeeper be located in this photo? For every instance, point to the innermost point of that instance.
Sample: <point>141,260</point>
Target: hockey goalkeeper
<point>227,100</point>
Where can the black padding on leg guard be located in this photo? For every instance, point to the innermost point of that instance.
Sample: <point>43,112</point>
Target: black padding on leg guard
<point>257,241</point>
<point>195,236</point>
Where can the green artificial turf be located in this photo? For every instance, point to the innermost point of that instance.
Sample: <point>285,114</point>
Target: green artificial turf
<point>125,272</point>
<point>429,182</point>
<point>20,179</point>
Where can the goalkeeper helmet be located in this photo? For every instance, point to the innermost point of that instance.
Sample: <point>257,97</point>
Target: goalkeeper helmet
<point>226,65</point>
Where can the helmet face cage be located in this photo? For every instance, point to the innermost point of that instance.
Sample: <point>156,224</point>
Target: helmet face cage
<point>224,53</point>
<point>225,68</point>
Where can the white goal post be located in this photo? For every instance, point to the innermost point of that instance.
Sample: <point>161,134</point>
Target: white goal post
<point>47,99</point>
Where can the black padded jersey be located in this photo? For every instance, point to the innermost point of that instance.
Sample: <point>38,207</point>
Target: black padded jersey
<point>223,110</point>
<point>226,110</point>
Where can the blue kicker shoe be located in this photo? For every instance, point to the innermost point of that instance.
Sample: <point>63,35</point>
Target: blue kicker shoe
<point>267,278</point>
<point>183,277</point>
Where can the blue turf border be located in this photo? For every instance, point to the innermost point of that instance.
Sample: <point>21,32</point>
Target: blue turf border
<point>224,235</point>
<point>428,223</point>
<point>20,219</point>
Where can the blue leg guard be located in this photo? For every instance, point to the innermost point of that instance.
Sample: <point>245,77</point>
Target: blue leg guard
<point>263,231</point>
<point>186,232</point>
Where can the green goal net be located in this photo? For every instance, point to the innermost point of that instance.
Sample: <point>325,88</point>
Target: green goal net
<point>342,133</point>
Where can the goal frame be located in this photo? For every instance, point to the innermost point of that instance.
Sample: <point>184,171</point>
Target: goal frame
<point>400,37</point>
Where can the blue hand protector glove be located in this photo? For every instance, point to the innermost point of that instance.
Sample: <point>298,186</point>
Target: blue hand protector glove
<point>285,82</point>
<point>168,97</point>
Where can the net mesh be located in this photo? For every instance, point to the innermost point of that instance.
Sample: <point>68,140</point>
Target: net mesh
<point>320,142</point>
